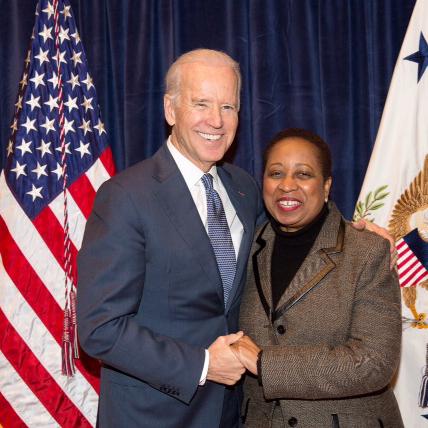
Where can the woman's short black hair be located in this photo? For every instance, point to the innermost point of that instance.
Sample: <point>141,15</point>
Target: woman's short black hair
<point>324,154</point>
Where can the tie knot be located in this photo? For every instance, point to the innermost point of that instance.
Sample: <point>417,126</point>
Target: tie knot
<point>207,180</point>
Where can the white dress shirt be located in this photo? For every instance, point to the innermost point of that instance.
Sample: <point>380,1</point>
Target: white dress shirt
<point>192,176</point>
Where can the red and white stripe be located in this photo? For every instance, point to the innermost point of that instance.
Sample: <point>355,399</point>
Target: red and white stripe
<point>33,392</point>
<point>410,270</point>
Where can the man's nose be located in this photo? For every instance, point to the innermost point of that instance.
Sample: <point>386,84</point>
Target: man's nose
<point>215,118</point>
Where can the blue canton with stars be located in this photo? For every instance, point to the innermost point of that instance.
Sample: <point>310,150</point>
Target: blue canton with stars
<point>420,57</point>
<point>33,170</point>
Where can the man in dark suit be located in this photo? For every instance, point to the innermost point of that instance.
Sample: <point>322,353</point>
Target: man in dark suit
<point>162,264</point>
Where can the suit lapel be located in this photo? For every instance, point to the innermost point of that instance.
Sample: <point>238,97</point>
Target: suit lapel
<point>239,201</point>
<point>174,196</point>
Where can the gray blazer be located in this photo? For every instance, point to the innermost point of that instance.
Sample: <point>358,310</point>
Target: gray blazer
<point>332,345</point>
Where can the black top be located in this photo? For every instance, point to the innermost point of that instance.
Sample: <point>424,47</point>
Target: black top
<point>289,251</point>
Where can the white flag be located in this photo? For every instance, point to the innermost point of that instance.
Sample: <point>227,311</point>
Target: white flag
<point>395,195</point>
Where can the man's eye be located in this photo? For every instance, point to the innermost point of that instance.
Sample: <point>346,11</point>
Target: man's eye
<point>229,107</point>
<point>200,105</point>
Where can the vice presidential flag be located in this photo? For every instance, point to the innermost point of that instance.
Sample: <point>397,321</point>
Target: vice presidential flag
<point>395,195</point>
<point>57,157</point>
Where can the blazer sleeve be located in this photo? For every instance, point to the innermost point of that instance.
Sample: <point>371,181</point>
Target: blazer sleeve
<point>111,268</point>
<point>365,363</point>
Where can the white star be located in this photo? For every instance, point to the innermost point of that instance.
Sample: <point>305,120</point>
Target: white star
<point>63,34</point>
<point>88,82</point>
<point>83,149</point>
<point>76,37</point>
<point>52,103</point>
<point>54,79</point>
<point>49,10</point>
<point>38,79</point>
<point>24,147</point>
<point>71,103</point>
<point>44,148</point>
<point>100,127</point>
<point>18,104</point>
<point>34,102</point>
<point>76,58</point>
<point>62,57</point>
<point>35,192</point>
<point>24,80</point>
<point>46,33</point>
<point>19,169</point>
<point>86,126</point>
<point>40,170</point>
<point>68,126</point>
<point>87,103</point>
<point>66,12</point>
<point>48,125</point>
<point>58,171</point>
<point>74,80</point>
<point>67,150</point>
<point>42,56</point>
<point>29,125</point>
<point>10,148</point>
<point>14,126</point>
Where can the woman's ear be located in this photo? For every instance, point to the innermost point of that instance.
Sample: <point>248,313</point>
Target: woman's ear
<point>327,186</point>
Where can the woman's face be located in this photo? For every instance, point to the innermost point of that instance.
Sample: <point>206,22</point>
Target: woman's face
<point>294,189</point>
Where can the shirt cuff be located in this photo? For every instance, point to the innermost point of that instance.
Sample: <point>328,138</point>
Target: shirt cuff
<point>203,378</point>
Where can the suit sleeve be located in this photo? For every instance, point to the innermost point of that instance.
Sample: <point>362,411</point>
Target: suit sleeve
<point>365,363</point>
<point>111,267</point>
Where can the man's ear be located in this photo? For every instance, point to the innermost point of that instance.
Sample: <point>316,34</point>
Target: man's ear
<point>168,106</point>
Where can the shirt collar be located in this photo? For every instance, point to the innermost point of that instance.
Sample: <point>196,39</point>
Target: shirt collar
<point>190,172</point>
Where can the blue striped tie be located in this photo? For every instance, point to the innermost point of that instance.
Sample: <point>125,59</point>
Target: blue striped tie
<point>219,234</point>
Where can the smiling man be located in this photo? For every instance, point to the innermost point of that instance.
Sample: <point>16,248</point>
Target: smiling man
<point>162,265</point>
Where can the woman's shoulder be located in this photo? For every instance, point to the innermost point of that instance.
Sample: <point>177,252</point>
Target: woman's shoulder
<point>365,240</point>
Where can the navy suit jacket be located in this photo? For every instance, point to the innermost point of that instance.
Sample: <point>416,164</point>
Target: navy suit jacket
<point>150,297</point>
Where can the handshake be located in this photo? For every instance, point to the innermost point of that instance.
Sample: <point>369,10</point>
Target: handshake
<point>230,356</point>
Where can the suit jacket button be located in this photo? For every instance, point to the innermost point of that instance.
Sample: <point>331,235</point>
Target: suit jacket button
<point>292,422</point>
<point>281,330</point>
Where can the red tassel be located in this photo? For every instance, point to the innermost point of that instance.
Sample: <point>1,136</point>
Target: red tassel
<point>70,349</point>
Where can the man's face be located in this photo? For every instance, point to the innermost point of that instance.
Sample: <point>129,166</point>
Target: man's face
<point>204,115</point>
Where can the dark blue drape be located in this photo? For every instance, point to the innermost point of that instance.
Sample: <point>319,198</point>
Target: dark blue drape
<point>324,65</point>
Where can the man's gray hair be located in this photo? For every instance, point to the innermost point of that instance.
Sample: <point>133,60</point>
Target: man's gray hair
<point>206,56</point>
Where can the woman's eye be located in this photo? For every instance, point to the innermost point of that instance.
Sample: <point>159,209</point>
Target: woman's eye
<point>275,174</point>
<point>304,174</point>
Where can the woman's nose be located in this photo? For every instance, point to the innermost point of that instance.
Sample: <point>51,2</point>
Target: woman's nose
<point>287,184</point>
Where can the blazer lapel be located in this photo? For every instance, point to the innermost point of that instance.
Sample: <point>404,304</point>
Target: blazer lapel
<point>261,263</point>
<point>317,264</point>
<point>174,196</point>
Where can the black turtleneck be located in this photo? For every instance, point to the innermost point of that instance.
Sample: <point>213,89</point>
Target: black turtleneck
<point>289,251</point>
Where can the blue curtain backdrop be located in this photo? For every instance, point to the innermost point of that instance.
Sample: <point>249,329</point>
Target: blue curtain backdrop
<point>324,65</point>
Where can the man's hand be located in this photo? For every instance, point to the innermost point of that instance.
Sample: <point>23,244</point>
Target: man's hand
<point>247,351</point>
<point>373,227</point>
<point>224,366</point>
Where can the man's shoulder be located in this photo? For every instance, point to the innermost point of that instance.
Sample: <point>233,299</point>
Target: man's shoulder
<point>237,173</point>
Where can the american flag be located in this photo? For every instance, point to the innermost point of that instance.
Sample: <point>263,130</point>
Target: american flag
<point>57,157</point>
<point>410,270</point>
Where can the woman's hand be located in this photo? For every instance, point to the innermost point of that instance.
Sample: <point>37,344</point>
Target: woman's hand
<point>247,352</point>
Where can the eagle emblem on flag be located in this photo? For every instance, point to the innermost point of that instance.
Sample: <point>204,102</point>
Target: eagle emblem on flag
<point>409,226</point>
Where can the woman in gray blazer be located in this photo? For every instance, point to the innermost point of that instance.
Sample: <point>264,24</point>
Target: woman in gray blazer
<point>321,304</point>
